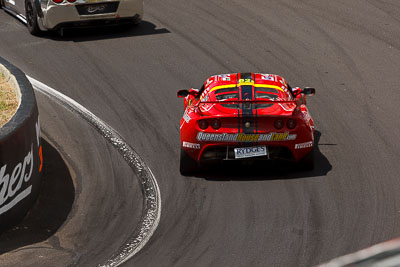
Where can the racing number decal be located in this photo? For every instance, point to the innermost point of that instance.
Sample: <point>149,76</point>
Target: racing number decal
<point>245,80</point>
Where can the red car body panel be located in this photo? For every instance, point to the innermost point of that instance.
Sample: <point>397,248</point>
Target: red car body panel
<point>236,100</point>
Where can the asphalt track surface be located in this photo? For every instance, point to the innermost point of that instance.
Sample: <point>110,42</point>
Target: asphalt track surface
<point>348,50</point>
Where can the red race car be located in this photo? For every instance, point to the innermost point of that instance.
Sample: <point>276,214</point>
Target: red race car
<point>246,116</point>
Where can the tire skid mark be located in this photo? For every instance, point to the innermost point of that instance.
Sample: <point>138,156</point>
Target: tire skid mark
<point>151,192</point>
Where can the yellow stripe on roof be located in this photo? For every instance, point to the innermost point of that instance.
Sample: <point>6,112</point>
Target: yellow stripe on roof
<point>222,87</point>
<point>269,86</point>
<point>248,83</point>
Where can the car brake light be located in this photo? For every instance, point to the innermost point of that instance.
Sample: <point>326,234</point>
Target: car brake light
<point>278,124</point>
<point>71,1</point>
<point>203,124</point>
<point>291,123</point>
<point>216,124</point>
<point>58,1</point>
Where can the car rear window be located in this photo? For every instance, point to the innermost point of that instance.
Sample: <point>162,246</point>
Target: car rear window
<point>261,93</point>
<point>228,94</point>
<point>267,90</point>
<point>266,93</point>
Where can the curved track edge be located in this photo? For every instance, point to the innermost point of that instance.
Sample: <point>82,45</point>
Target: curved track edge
<point>149,187</point>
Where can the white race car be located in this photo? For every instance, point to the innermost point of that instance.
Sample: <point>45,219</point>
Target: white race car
<point>42,15</point>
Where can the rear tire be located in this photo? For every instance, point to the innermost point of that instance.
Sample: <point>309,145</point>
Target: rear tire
<point>137,21</point>
<point>307,163</point>
<point>187,164</point>
<point>31,18</point>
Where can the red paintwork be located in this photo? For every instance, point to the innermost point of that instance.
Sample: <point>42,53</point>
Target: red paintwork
<point>229,117</point>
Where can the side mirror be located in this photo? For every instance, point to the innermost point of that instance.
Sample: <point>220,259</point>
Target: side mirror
<point>194,92</point>
<point>182,93</point>
<point>308,91</point>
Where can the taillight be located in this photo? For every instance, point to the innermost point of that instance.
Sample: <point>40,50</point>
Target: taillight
<point>203,124</point>
<point>58,1</point>
<point>278,124</point>
<point>291,123</point>
<point>216,124</point>
<point>71,1</point>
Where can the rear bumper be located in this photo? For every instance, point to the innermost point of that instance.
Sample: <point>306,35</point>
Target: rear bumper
<point>96,23</point>
<point>66,15</point>
<point>226,152</point>
<point>219,152</point>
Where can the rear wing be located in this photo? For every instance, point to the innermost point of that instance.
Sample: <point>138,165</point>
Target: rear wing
<point>297,102</point>
<point>250,102</point>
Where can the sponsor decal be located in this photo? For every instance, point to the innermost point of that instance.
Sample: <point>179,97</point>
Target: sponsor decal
<point>287,92</point>
<point>284,87</point>
<point>303,145</point>
<point>191,145</point>
<point>186,116</point>
<point>245,81</point>
<point>268,77</point>
<point>209,81</point>
<point>242,137</point>
<point>13,179</point>
<point>96,8</point>
<point>225,77</point>
<point>207,107</point>
<point>11,183</point>
<point>248,152</point>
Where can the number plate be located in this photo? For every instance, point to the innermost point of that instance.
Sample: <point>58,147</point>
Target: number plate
<point>97,9</point>
<point>249,152</point>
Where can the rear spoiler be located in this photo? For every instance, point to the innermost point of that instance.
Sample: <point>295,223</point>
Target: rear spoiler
<point>297,102</point>
<point>250,101</point>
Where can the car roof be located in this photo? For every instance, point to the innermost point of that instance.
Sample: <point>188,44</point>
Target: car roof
<point>223,84</point>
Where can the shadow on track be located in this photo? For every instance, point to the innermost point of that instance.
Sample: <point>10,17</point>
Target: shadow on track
<point>266,170</point>
<point>52,208</point>
<point>106,32</point>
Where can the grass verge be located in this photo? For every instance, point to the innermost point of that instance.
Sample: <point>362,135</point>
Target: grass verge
<point>8,101</point>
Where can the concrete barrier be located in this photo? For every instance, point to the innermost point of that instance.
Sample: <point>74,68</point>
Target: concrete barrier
<point>21,158</point>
